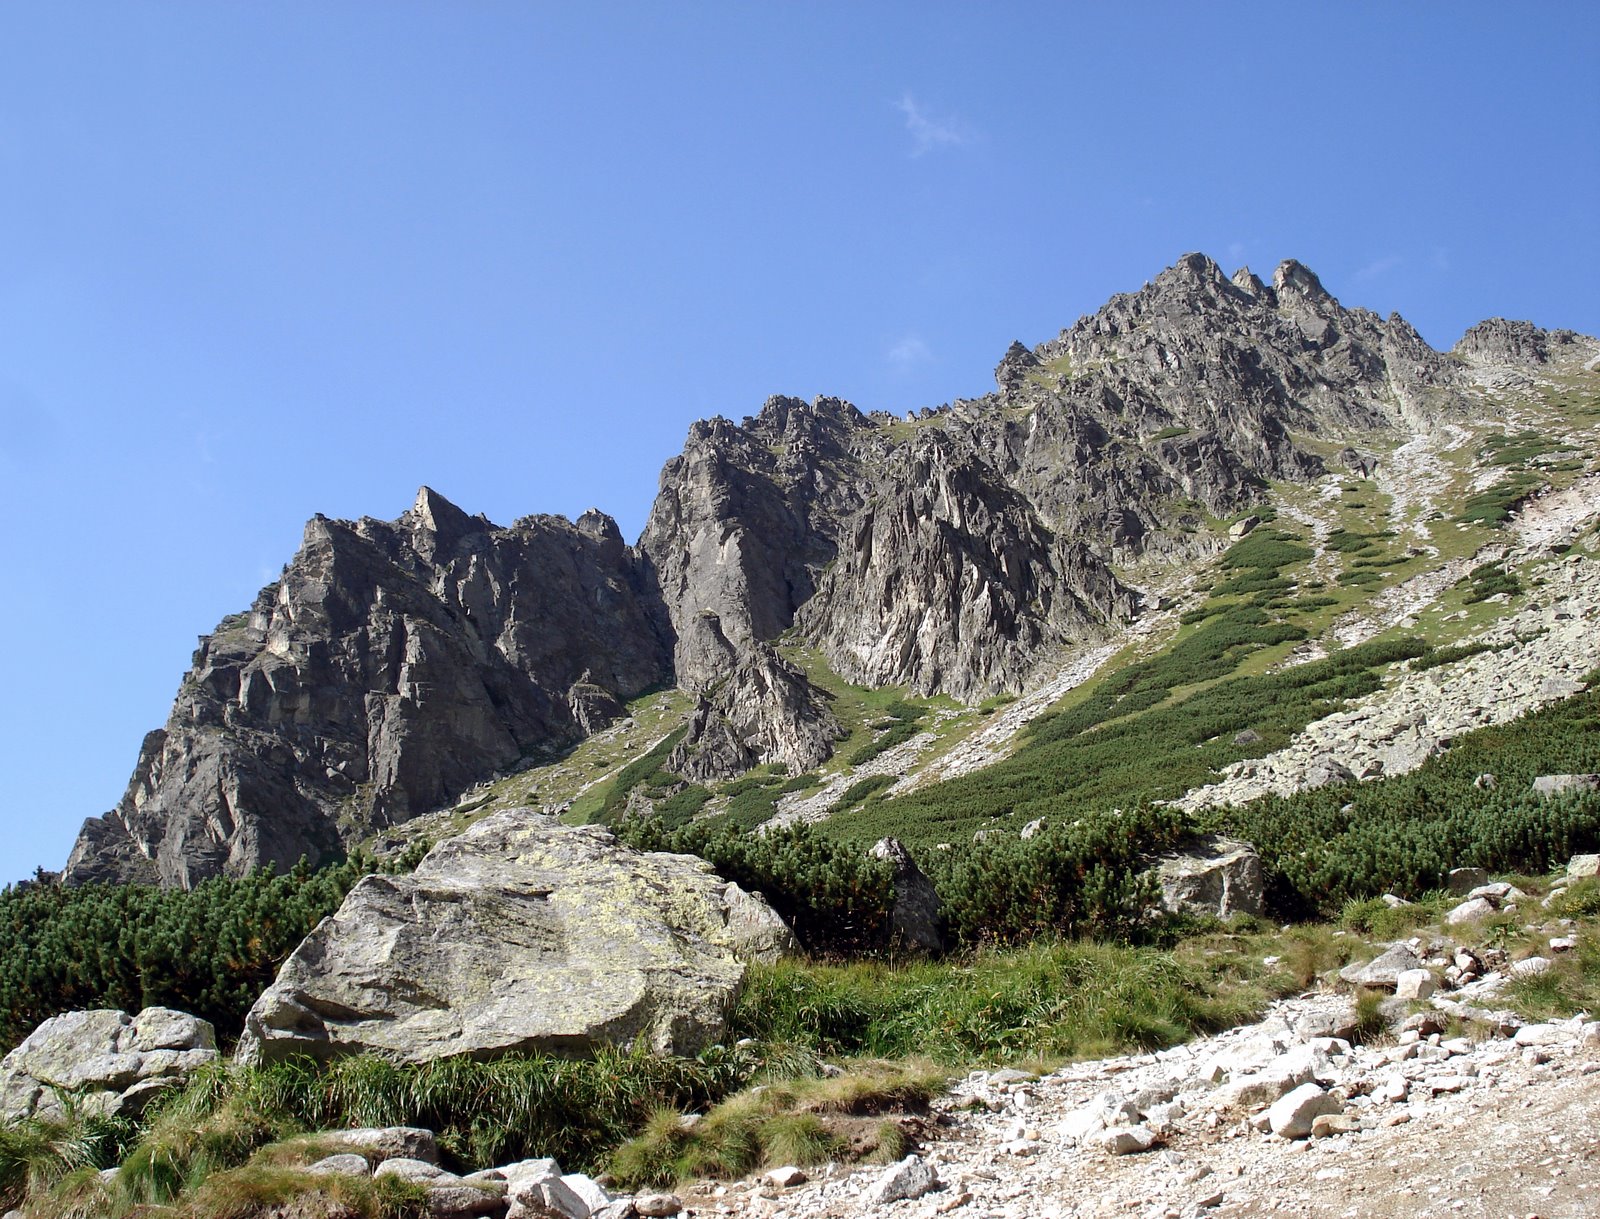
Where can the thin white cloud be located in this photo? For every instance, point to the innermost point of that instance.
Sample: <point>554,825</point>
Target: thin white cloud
<point>928,132</point>
<point>908,353</point>
<point>1236,251</point>
<point>1379,266</point>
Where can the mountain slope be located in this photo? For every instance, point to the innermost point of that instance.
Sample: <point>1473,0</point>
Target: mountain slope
<point>797,562</point>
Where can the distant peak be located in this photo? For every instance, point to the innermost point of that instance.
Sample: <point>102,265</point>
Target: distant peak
<point>1248,282</point>
<point>1297,279</point>
<point>436,519</point>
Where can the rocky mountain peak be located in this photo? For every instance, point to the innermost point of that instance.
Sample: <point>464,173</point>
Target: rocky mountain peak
<point>436,525</point>
<point>1296,280</point>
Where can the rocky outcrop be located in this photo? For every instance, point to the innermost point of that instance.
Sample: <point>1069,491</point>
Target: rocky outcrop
<point>520,935</point>
<point>107,1061</point>
<point>764,710</point>
<point>914,920</point>
<point>1499,340</point>
<point>391,667</point>
<point>950,583</point>
<point>1212,875</point>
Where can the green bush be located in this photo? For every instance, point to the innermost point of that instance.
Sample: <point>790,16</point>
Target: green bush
<point>210,950</point>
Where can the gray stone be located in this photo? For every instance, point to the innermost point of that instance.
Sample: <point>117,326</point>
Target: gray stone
<point>521,934</point>
<point>910,1178</point>
<point>1531,967</point>
<point>113,1062</point>
<point>408,1169</point>
<point>914,919</point>
<point>1214,875</point>
<point>548,1196</point>
<point>1125,1140</point>
<point>1473,908</point>
<point>786,1177</point>
<point>657,1206</point>
<point>385,1142</point>
<point>1561,785</point>
<point>1580,866</point>
<point>588,1190</point>
<point>458,1200</point>
<point>1291,1116</point>
<point>1462,881</point>
<point>345,1164</point>
<point>1383,972</point>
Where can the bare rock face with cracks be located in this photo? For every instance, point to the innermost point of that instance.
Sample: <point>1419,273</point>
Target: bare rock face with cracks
<point>956,551</point>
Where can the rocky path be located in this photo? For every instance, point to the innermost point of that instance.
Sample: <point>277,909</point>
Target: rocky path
<point>1429,1125</point>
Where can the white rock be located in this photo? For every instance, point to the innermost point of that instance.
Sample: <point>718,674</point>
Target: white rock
<point>1414,984</point>
<point>1530,967</point>
<point>1563,943</point>
<point>786,1177</point>
<point>408,1169</point>
<point>1583,865</point>
<point>1126,1140</point>
<point>587,1189</point>
<point>657,1206</point>
<point>1292,1115</point>
<point>1539,1034</point>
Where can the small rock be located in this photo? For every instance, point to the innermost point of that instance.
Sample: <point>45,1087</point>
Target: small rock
<point>786,1177</point>
<point>910,1178</point>
<point>1538,1034</point>
<point>1291,1116</point>
<point>345,1164</point>
<point>1476,908</point>
<point>1462,881</point>
<point>1384,971</point>
<point>1562,943</point>
<point>1414,984</point>
<point>1325,1125</point>
<point>1530,967</point>
<point>385,1142</point>
<point>412,1170</point>
<point>1558,785</point>
<point>658,1206</point>
<point>457,1201</point>
<point>1126,1140</point>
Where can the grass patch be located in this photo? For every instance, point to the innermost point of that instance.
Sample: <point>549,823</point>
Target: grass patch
<point>1488,580</point>
<point>1494,507</point>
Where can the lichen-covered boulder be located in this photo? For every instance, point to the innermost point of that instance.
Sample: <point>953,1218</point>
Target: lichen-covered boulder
<point>109,1061</point>
<point>521,934</point>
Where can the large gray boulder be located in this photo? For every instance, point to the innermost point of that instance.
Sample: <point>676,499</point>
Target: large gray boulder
<point>1212,875</point>
<point>520,935</point>
<point>111,1062</point>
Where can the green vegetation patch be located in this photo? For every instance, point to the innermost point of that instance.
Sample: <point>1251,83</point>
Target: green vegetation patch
<point>210,950</point>
<point>1324,848</point>
<point>1488,580</point>
<point>1494,506</point>
<point>1135,738</point>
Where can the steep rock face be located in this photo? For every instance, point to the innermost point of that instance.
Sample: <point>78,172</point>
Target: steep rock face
<point>393,665</point>
<point>764,710</point>
<point>950,583</point>
<point>746,517</point>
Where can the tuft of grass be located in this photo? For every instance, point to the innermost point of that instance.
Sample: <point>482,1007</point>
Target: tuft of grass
<point>243,1193</point>
<point>795,1121</point>
<point>38,1154</point>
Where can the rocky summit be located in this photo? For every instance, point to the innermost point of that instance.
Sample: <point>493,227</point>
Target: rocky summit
<point>971,550</point>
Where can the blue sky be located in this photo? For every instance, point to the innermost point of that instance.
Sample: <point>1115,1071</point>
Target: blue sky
<point>264,260</point>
